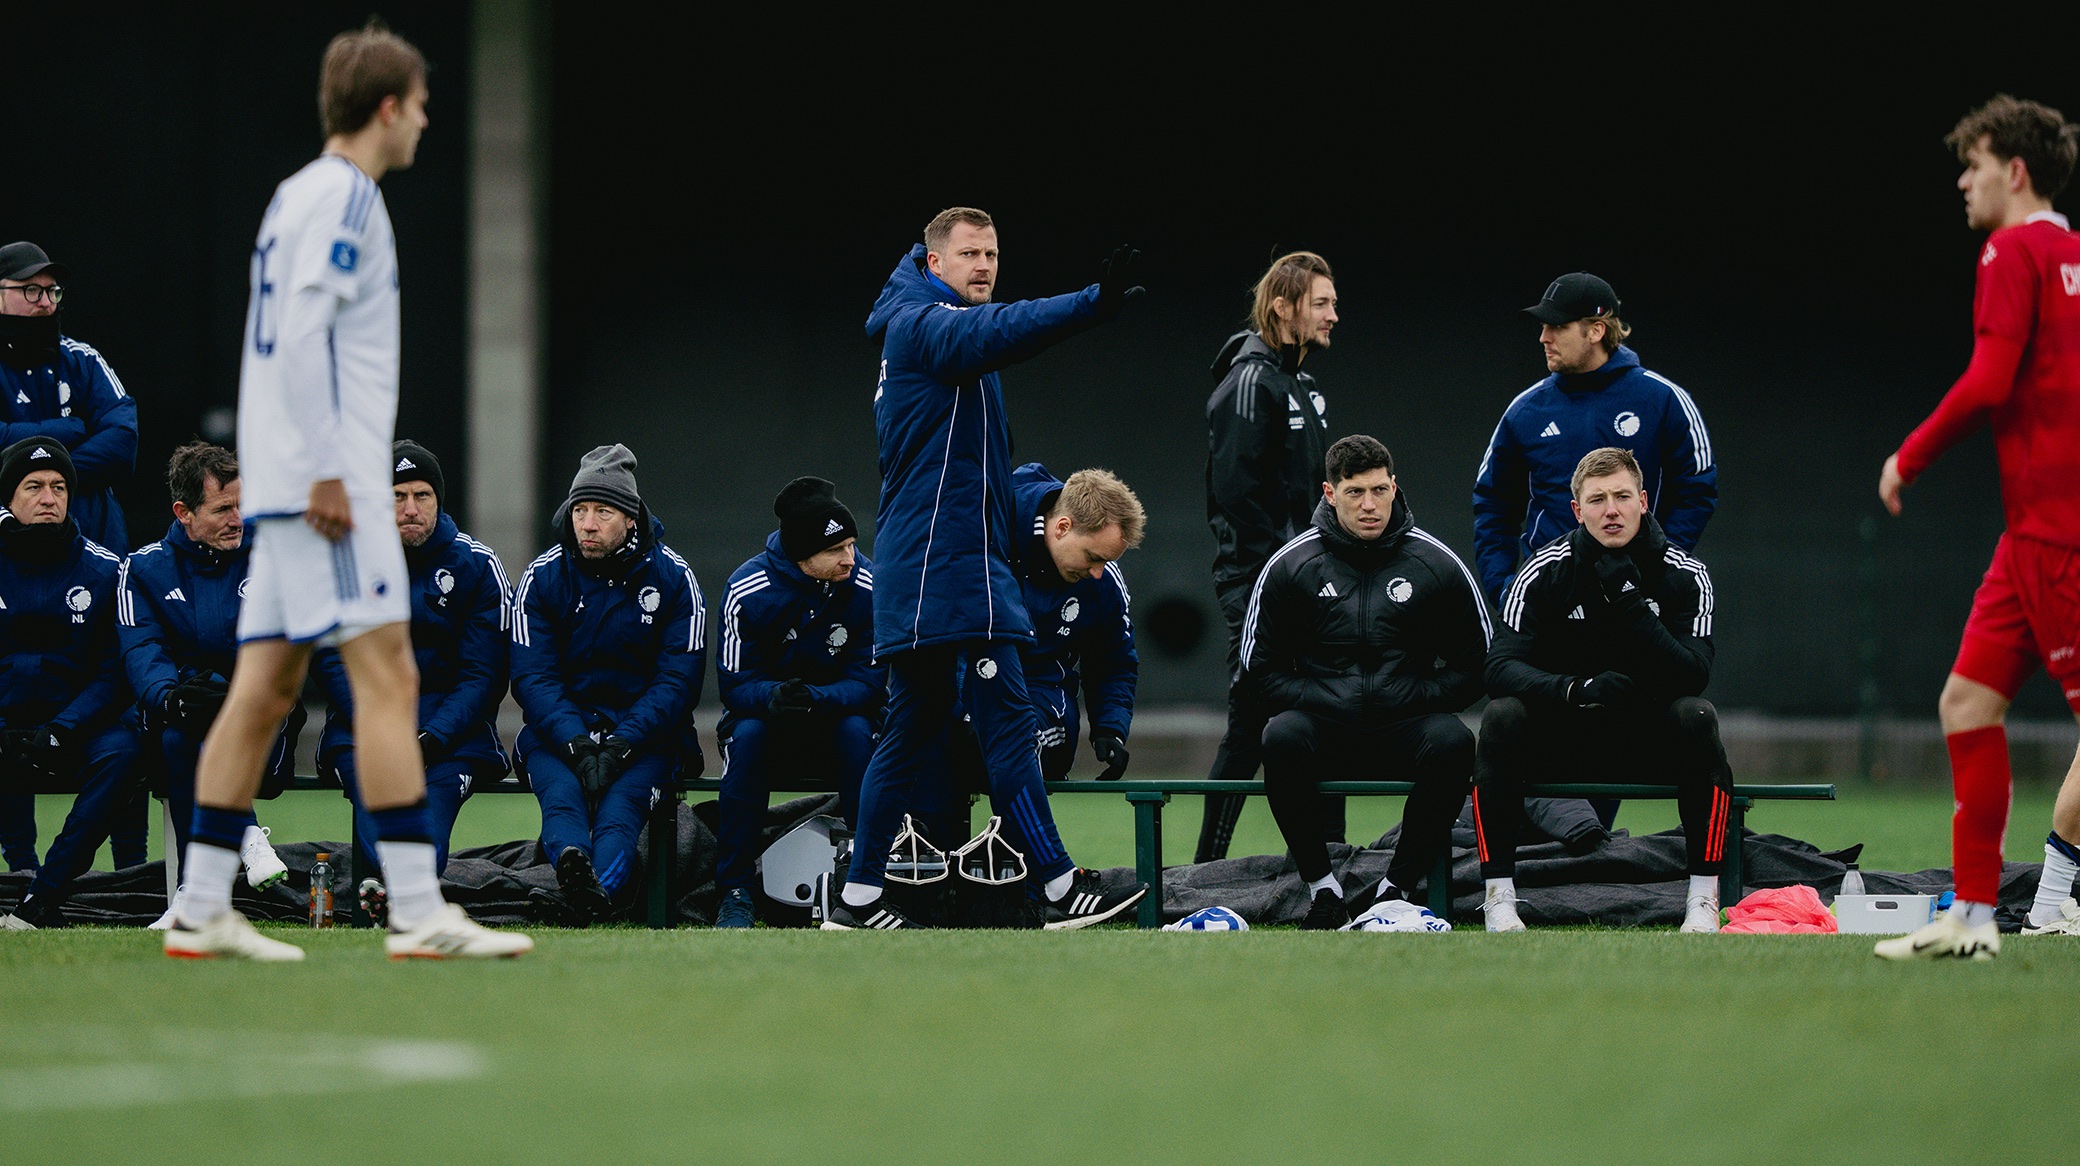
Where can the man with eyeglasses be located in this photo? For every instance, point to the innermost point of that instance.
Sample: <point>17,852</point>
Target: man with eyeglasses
<point>52,385</point>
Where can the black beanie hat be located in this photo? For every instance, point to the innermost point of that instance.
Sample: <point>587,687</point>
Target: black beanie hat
<point>29,455</point>
<point>811,518</point>
<point>416,463</point>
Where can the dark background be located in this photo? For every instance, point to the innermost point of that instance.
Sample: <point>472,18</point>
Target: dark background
<point>1773,202</point>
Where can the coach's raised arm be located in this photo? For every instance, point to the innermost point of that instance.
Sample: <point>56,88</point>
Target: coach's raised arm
<point>1604,643</point>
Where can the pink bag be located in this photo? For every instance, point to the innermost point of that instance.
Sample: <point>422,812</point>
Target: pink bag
<point>1793,910</point>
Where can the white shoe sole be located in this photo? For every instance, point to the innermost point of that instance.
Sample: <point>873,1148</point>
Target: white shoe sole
<point>231,938</point>
<point>452,935</point>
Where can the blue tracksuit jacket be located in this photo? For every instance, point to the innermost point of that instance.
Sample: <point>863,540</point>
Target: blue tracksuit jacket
<point>778,624</point>
<point>616,649</point>
<point>943,539</point>
<point>58,635</point>
<point>1083,636</point>
<point>1523,494</point>
<point>461,639</point>
<point>177,612</point>
<point>79,402</point>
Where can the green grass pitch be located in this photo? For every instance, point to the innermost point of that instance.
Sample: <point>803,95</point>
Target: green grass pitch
<point>622,1045</point>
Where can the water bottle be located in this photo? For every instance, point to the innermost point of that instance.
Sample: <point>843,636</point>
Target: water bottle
<point>321,891</point>
<point>1852,882</point>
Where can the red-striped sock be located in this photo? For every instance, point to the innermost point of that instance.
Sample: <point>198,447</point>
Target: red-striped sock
<point>1979,775</point>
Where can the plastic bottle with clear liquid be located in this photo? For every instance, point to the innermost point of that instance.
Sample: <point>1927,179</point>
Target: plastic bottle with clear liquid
<point>1852,882</point>
<point>321,891</point>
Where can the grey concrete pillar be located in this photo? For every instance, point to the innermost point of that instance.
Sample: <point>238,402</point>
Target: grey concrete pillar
<point>508,170</point>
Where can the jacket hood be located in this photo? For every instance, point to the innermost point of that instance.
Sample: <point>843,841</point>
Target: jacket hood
<point>1034,490</point>
<point>911,283</point>
<point>439,539</point>
<point>1250,346</point>
<point>1345,545</point>
<point>43,544</point>
<point>1646,547</point>
<point>206,557</point>
<point>784,566</point>
<point>1622,361</point>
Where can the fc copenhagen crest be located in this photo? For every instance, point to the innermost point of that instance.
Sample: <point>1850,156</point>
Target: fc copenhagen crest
<point>79,599</point>
<point>648,599</point>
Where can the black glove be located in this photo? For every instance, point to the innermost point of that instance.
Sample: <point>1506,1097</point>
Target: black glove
<point>1619,576</point>
<point>193,704</point>
<point>1600,690</point>
<point>1111,749</point>
<point>1116,286</point>
<point>791,696</point>
<point>613,758</point>
<point>583,755</point>
<point>48,749</point>
<point>431,748</point>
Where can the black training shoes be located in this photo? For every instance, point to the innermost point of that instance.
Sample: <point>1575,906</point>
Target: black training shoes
<point>1087,902</point>
<point>581,889</point>
<point>875,916</point>
<point>1326,913</point>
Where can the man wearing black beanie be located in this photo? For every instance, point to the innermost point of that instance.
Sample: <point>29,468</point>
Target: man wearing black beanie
<point>60,697</point>
<point>799,684</point>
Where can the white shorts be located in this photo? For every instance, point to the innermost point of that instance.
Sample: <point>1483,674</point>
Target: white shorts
<point>304,588</point>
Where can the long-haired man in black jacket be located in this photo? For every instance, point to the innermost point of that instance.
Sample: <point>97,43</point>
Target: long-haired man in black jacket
<point>1266,434</point>
<point>1604,643</point>
<point>1364,636</point>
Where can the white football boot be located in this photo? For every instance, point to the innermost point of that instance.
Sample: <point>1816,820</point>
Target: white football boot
<point>263,866</point>
<point>1500,910</point>
<point>1701,915</point>
<point>228,935</point>
<point>450,934</point>
<point>2067,923</point>
<point>1949,937</point>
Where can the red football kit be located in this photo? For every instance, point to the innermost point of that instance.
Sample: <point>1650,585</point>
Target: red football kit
<point>2024,380</point>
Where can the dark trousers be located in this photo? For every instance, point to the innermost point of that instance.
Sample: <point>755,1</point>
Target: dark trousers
<point>447,787</point>
<point>762,752</point>
<point>608,833</point>
<point>925,687</point>
<point>1675,744</point>
<point>1241,748</point>
<point>18,830</point>
<point>1435,752</point>
<point>106,777</point>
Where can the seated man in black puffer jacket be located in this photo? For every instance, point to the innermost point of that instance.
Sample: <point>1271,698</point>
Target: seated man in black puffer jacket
<point>1365,634</point>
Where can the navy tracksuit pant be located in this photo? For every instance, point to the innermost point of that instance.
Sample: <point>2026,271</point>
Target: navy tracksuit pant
<point>106,777</point>
<point>447,787</point>
<point>609,835</point>
<point>924,690</point>
<point>761,753</point>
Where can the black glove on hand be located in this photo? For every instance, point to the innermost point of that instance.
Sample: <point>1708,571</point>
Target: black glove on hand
<point>613,758</point>
<point>1111,749</point>
<point>48,749</point>
<point>1116,286</point>
<point>583,755</point>
<point>1619,576</point>
<point>193,704</point>
<point>791,696</point>
<point>1600,690</point>
<point>431,748</point>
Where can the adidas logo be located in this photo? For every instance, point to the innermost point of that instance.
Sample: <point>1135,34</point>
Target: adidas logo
<point>405,463</point>
<point>832,527</point>
<point>1552,429</point>
<point>1628,587</point>
<point>1328,591</point>
<point>39,452</point>
<point>3,605</point>
<point>1576,613</point>
<point>176,594</point>
<point>20,397</point>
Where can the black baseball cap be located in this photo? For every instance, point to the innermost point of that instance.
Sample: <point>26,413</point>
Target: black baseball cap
<point>1574,296</point>
<point>22,260</point>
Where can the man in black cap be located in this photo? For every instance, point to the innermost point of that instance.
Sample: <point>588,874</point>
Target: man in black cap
<point>51,385</point>
<point>799,683</point>
<point>61,699</point>
<point>609,640</point>
<point>461,642</point>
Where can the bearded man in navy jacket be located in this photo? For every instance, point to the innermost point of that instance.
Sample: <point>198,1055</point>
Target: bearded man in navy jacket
<point>60,691</point>
<point>799,683</point>
<point>947,606</point>
<point>609,640</point>
<point>461,640</point>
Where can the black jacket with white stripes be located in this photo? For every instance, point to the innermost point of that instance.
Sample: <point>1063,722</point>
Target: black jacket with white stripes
<point>1557,627</point>
<point>1366,632</point>
<point>1266,436</point>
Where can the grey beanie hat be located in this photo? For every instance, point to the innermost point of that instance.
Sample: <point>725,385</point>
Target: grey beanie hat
<point>607,474</point>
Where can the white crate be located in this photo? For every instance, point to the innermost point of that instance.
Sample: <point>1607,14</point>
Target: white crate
<point>1882,914</point>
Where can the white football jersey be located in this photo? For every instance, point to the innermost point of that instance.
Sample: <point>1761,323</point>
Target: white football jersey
<point>317,391</point>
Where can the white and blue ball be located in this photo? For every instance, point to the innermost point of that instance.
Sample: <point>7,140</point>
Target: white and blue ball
<point>1210,919</point>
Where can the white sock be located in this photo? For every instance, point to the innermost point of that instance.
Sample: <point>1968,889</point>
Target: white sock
<point>206,893</point>
<point>860,895</point>
<point>1326,883</point>
<point>1502,888</point>
<point>1975,914</point>
<point>1704,886</point>
<point>1058,885</point>
<point>409,880</point>
<point>2055,887</point>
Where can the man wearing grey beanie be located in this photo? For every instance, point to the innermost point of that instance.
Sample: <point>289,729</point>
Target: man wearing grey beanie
<point>609,644</point>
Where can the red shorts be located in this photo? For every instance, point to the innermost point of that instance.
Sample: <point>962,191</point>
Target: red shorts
<point>2025,613</point>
